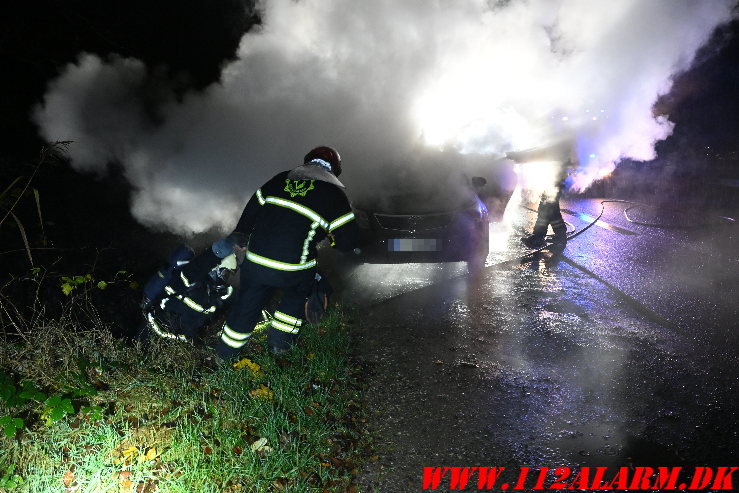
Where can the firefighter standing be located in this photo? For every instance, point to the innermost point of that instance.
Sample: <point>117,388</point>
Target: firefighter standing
<point>284,220</point>
<point>548,212</point>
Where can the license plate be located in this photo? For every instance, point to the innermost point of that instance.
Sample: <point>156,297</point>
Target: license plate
<point>412,245</point>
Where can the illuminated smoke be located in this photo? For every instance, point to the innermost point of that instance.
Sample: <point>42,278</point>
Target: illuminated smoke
<point>377,79</point>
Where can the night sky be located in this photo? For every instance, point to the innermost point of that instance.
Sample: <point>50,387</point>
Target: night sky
<point>186,41</point>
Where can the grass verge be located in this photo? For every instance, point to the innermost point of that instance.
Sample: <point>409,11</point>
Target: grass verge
<point>82,411</point>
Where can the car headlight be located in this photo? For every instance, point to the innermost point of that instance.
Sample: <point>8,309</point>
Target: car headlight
<point>477,211</point>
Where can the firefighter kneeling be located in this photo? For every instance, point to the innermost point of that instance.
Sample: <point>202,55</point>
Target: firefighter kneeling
<point>185,294</point>
<point>284,221</point>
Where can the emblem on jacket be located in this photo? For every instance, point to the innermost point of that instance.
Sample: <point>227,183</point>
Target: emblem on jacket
<point>298,187</point>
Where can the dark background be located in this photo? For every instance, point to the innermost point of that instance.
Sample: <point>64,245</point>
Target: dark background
<point>185,44</point>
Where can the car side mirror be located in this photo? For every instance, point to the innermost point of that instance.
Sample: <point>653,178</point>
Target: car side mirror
<point>478,181</point>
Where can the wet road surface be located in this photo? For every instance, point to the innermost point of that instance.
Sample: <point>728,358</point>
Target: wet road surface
<point>621,352</point>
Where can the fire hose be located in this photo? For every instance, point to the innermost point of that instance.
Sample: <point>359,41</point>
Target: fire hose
<point>629,219</point>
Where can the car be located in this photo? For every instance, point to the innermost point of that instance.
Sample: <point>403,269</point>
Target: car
<point>420,215</point>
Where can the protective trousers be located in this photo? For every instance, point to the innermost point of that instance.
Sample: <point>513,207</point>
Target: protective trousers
<point>549,213</point>
<point>258,284</point>
<point>169,325</point>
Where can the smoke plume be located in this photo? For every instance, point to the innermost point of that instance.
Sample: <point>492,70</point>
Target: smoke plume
<point>379,80</point>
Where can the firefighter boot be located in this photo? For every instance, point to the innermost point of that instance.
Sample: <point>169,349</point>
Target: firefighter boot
<point>560,232</point>
<point>535,242</point>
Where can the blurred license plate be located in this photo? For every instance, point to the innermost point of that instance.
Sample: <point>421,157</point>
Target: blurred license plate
<point>412,245</point>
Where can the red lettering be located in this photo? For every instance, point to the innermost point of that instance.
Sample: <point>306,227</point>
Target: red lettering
<point>581,479</point>
<point>432,476</point>
<point>723,480</point>
<point>522,475</point>
<point>640,480</point>
<point>460,476</point>
<point>562,474</point>
<point>620,480</point>
<point>487,477</point>
<point>666,478</point>
<point>540,480</point>
<point>701,478</point>
<point>598,479</point>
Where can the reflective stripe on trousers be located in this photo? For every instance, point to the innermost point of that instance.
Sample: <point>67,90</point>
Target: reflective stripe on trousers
<point>233,338</point>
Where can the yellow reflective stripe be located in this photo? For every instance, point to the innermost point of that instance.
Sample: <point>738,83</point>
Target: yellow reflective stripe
<point>307,241</point>
<point>229,292</point>
<point>196,306</point>
<point>232,338</point>
<point>340,221</point>
<point>300,209</point>
<point>185,280</point>
<point>230,342</point>
<point>161,332</point>
<point>287,318</point>
<point>260,198</point>
<point>160,274</point>
<point>239,336</point>
<point>168,289</point>
<point>275,264</point>
<point>284,327</point>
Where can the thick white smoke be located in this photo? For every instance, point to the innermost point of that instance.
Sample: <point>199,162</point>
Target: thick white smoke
<point>377,79</point>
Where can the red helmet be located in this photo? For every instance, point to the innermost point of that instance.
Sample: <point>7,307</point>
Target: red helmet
<point>327,155</point>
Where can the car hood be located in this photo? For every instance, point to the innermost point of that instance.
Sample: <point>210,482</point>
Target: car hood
<point>427,201</point>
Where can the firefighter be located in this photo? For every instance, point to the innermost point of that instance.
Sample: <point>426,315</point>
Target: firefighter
<point>284,221</point>
<point>548,212</point>
<point>185,294</point>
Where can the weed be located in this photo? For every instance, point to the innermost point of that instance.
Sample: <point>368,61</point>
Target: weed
<point>99,414</point>
<point>9,480</point>
<point>21,187</point>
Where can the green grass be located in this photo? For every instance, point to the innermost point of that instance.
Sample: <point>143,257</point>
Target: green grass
<point>170,423</point>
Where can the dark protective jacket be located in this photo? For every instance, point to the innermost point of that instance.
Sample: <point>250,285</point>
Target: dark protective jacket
<point>190,299</point>
<point>290,214</point>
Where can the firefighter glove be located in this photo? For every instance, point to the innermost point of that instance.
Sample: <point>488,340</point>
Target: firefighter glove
<point>317,301</point>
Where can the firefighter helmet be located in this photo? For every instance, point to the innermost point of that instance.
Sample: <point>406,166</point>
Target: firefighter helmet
<point>324,154</point>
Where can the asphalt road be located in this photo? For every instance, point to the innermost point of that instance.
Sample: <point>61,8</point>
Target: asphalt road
<point>620,352</point>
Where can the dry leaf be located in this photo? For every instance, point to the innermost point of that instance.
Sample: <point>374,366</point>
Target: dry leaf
<point>124,476</point>
<point>266,450</point>
<point>263,392</point>
<point>151,454</point>
<point>253,367</point>
<point>259,444</point>
<point>125,455</point>
<point>68,478</point>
